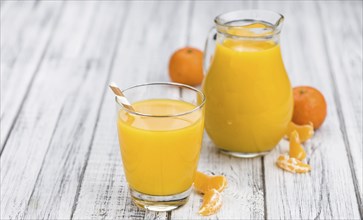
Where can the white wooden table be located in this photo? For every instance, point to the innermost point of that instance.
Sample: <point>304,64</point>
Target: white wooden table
<point>59,152</point>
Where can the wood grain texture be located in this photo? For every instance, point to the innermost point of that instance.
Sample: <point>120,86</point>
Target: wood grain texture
<point>147,42</point>
<point>51,139</point>
<point>327,192</point>
<point>4,6</point>
<point>59,152</point>
<point>24,39</point>
<point>344,55</point>
<point>244,196</point>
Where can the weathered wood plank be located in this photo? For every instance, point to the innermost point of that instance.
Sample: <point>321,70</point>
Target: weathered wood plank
<point>50,142</point>
<point>25,35</point>
<point>152,32</point>
<point>344,54</point>
<point>45,159</point>
<point>4,6</point>
<point>16,10</point>
<point>244,196</point>
<point>326,192</point>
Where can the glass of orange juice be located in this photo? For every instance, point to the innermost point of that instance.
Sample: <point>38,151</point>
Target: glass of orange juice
<point>249,96</point>
<point>160,142</point>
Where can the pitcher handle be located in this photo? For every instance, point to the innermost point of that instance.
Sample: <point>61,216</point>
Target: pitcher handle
<point>209,49</point>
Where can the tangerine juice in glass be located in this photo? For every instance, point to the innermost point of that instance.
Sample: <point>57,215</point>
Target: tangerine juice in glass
<point>160,143</point>
<point>249,96</point>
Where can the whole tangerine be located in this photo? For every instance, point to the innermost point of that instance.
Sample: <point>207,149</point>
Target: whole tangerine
<point>309,106</point>
<point>186,66</point>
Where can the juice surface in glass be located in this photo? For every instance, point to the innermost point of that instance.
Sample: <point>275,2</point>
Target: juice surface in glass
<point>160,154</point>
<point>249,96</point>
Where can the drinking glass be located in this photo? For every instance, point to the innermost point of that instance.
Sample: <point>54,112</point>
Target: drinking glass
<point>160,142</point>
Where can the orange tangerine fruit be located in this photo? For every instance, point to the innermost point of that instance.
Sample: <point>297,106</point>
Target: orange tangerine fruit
<point>212,202</point>
<point>186,66</point>
<point>309,106</point>
<point>292,165</point>
<point>203,183</point>
<point>296,149</point>
<point>305,131</point>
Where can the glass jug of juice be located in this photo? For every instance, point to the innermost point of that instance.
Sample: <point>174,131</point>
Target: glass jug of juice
<point>249,96</point>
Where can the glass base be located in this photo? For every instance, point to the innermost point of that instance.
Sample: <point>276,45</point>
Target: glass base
<point>243,155</point>
<point>160,203</point>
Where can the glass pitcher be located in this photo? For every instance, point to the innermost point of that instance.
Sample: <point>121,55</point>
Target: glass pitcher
<point>249,96</point>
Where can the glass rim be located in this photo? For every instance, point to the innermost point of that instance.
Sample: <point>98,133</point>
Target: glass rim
<point>165,84</point>
<point>218,20</point>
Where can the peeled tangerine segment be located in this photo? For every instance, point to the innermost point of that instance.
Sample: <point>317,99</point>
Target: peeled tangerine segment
<point>203,183</point>
<point>212,202</point>
<point>292,165</point>
<point>305,131</point>
<point>296,149</point>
